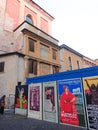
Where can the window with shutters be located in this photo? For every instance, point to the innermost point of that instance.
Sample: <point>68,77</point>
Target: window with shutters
<point>54,54</point>
<point>2,66</point>
<point>44,69</point>
<point>33,66</point>
<point>44,51</point>
<point>55,69</point>
<point>31,45</point>
<point>78,65</point>
<point>70,63</point>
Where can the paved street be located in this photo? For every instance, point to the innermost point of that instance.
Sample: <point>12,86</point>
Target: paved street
<point>9,121</point>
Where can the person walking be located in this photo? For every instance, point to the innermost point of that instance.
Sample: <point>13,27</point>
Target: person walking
<point>2,104</point>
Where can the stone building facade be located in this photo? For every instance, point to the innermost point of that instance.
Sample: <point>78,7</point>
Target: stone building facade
<point>11,73</point>
<point>27,48</point>
<point>70,59</point>
<point>87,62</point>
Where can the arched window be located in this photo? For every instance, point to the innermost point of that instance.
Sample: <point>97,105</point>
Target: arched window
<point>29,19</point>
<point>78,65</point>
<point>70,63</point>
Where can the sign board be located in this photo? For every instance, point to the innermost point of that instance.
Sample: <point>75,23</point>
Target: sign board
<point>91,96</point>
<point>71,103</point>
<point>21,100</point>
<point>35,101</point>
<point>50,101</point>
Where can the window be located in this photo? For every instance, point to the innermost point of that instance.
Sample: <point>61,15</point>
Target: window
<point>31,44</point>
<point>78,65</point>
<point>1,66</point>
<point>55,69</point>
<point>44,69</point>
<point>33,66</point>
<point>54,53</point>
<point>44,51</point>
<point>29,19</point>
<point>70,63</point>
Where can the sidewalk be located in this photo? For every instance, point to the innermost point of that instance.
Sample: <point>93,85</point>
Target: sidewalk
<point>9,121</point>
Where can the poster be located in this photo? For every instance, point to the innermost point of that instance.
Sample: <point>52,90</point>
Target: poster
<point>91,95</point>
<point>35,101</point>
<point>50,101</point>
<point>21,99</point>
<point>71,103</point>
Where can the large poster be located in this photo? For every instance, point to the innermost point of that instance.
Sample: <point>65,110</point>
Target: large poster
<point>21,99</point>
<point>35,101</point>
<point>71,102</point>
<point>91,95</point>
<point>50,101</point>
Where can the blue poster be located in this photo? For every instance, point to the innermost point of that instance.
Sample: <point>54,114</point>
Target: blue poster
<point>71,102</point>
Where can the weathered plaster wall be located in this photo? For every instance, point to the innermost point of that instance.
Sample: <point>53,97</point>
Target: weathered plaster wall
<point>13,73</point>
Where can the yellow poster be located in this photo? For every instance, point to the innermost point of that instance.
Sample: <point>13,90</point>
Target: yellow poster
<point>91,95</point>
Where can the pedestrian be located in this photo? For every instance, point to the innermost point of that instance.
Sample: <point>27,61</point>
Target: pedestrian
<point>2,104</point>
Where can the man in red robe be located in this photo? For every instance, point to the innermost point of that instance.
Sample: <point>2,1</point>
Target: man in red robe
<point>68,112</point>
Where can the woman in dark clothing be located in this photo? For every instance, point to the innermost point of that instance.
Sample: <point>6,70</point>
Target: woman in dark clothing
<point>2,104</point>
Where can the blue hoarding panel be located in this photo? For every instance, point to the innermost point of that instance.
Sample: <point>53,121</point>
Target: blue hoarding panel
<point>85,72</point>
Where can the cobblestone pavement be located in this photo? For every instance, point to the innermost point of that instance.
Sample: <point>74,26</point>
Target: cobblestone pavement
<point>9,121</point>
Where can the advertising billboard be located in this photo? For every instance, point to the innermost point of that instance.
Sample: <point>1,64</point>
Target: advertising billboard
<point>21,99</point>
<point>71,103</point>
<point>50,101</point>
<point>91,95</point>
<point>35,101</point>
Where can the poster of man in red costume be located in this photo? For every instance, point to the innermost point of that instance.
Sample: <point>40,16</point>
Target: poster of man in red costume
<point>71,102</point>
